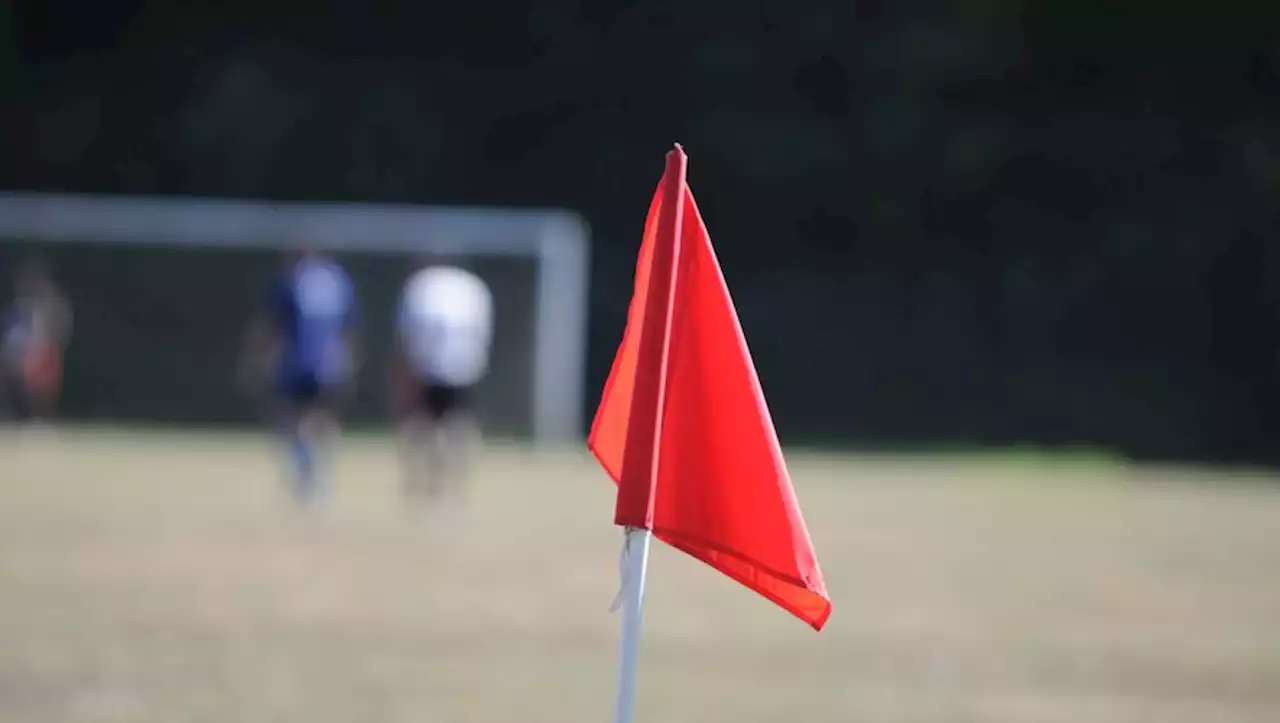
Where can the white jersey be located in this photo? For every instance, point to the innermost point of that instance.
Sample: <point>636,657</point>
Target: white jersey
<point>446,325</point>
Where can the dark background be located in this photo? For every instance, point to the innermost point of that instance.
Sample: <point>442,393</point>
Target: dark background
<point>948,222</point>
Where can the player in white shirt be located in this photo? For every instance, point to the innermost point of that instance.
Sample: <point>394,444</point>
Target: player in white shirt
<point>442,339</point>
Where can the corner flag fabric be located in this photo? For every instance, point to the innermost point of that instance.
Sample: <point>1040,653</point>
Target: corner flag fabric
<point>683,428</point>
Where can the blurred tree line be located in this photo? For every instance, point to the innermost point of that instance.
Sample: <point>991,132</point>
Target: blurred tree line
<point>944,221</point>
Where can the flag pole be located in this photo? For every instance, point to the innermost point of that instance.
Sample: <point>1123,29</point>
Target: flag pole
<point>635,563</point>
<point>635,505</point>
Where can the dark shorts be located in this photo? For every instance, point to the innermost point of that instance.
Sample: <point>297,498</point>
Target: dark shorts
<point>307,390</point>
<point>438,401</point>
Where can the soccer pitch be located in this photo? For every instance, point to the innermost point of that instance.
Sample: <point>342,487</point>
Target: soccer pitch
<point>164,577</point>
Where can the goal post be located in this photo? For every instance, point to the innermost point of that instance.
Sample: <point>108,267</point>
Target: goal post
<point>557,241</point>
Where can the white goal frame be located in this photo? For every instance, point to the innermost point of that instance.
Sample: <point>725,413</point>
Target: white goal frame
<point>557,240</point>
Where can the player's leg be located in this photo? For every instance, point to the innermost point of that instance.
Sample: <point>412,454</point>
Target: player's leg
<point>423,450</point>
<point>318,434</point>
<point>429,451</point>
<point>453,438</point>
<point>404,417</point>
<point>416,431</point>
<point>296,424</point>
<point>457,436</point>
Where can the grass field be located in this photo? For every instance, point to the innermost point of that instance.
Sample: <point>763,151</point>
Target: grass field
<point>162,578</point>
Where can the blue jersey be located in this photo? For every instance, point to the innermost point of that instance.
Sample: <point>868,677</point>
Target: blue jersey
<point>313,306</point>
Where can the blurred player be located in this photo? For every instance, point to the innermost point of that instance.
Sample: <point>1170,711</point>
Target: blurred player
<point>303,344</point>
<point>442,337</point>
<point>34,331</point>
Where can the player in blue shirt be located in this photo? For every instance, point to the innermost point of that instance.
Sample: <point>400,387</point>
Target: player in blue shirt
<point>305,342</point>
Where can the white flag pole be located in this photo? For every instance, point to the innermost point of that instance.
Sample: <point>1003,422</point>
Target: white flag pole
<point>653,352</point>
<point>635,563</point>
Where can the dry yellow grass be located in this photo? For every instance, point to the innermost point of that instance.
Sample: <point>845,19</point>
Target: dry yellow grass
<point>164,578</point>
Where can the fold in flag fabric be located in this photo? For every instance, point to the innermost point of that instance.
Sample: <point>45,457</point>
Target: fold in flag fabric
<point>683,428</point>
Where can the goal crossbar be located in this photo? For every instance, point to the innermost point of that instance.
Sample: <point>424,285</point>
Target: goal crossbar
<point>557,240</point>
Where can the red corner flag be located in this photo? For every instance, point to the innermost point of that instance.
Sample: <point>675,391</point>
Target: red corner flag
<point>683,427</point>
